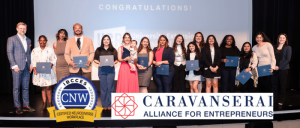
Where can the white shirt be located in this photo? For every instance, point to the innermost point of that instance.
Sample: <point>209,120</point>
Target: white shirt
<point>81,41</point>
<point>212,52</point>
<point>192,56</point>
<point>179,56</point>
<point>24,42</point>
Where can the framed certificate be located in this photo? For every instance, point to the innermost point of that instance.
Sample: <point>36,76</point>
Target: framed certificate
<point>143,61</point>
<point>162,69</point>
<point>192,65</point>
<point>43,67</point>
<point>233,61</point>
<point>80,61</point>
<point>106,60</point>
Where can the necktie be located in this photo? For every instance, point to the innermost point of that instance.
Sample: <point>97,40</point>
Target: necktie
<point>78,43</point>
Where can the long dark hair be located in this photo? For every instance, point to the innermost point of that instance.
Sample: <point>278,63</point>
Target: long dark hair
<point>141,46</point>
<point>125,35</point>
<point>266,39</point>
<point>111,47</point>
<point>223,44</point>
<point>202,43</point>
<point>286,41</point>
<point>243,55</point>
<point>167,41</point>
<point>182,45</point>
<point>59,31</point>
<point>198,53</point>
<point>207,46</point>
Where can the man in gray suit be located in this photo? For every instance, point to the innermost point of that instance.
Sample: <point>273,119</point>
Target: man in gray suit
<point>19,55</point>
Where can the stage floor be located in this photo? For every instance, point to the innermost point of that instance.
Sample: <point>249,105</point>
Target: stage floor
<point>8,117</point>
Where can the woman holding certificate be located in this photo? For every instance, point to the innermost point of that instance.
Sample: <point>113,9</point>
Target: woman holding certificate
<point>106,57</point>
<point>265,54</point>
<point>199,40</point>
<point>43,59</point>
<point>127,79</point>
<point>178,84</point>
<point>228,72</point>
<point>193,76</point>
<point>283,54</point>
<point>145,60</point>
<point>248,62</point>
<point>211,57</point>
<point>163,60</point>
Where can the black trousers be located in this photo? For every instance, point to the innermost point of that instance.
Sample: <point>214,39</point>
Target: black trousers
<point>264,84</point>
<point>248,86</point>
<point>178,84</point>
<point>279,81</point>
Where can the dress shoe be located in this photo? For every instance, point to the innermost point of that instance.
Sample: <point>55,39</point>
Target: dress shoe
<point>44,106</point>
<point>28,109</point>
<point>19,110</point>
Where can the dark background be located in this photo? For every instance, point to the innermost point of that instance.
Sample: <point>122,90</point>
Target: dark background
<point>270,16</point>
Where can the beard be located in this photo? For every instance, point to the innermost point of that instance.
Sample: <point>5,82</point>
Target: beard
<point>78,33</point>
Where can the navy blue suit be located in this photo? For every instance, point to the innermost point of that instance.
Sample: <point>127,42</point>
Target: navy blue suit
<point>279,77</point>
<point>17,56</point>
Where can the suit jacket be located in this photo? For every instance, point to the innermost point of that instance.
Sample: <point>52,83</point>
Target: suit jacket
<point>169,55</point>
<point>207,60</point>
<point>286,58</point>
<point>200,65</point>
<point>72,50</point>
<point>16,53</point>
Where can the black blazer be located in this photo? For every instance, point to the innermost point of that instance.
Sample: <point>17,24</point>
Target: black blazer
<point>207,60</point>
<point>200,65</point>
<point>169,55</point>
<point>286,58</point>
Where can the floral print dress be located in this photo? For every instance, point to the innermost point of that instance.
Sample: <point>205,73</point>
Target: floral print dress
<point>45,55</point>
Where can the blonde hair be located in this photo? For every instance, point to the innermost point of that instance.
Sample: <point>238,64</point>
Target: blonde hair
<point>20,23</point>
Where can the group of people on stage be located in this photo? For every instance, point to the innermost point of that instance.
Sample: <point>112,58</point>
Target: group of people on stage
<point>135,78</point>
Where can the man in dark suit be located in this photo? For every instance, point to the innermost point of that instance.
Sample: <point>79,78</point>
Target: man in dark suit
<point>19,56</point>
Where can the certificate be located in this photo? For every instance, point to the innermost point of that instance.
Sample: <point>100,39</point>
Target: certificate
<point>125,53</point>
<point>143,61</point>
<point>232,61</point>
<point>264,70</point>
<point>106,60</point>
<point>80,61</point>
<point>162,69</point>
<point>192,65</point>
<point>43,67</point>
<point>243,77</point>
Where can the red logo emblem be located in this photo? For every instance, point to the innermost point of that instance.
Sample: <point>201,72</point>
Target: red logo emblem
<point>124,106</point>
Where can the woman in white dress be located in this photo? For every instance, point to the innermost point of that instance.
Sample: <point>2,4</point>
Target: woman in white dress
<point>44,54</point>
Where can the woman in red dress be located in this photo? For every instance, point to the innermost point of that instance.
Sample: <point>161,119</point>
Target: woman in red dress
<point>127,79</point>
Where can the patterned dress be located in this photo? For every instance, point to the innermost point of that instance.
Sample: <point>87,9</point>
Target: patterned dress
<point>45,55</point>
